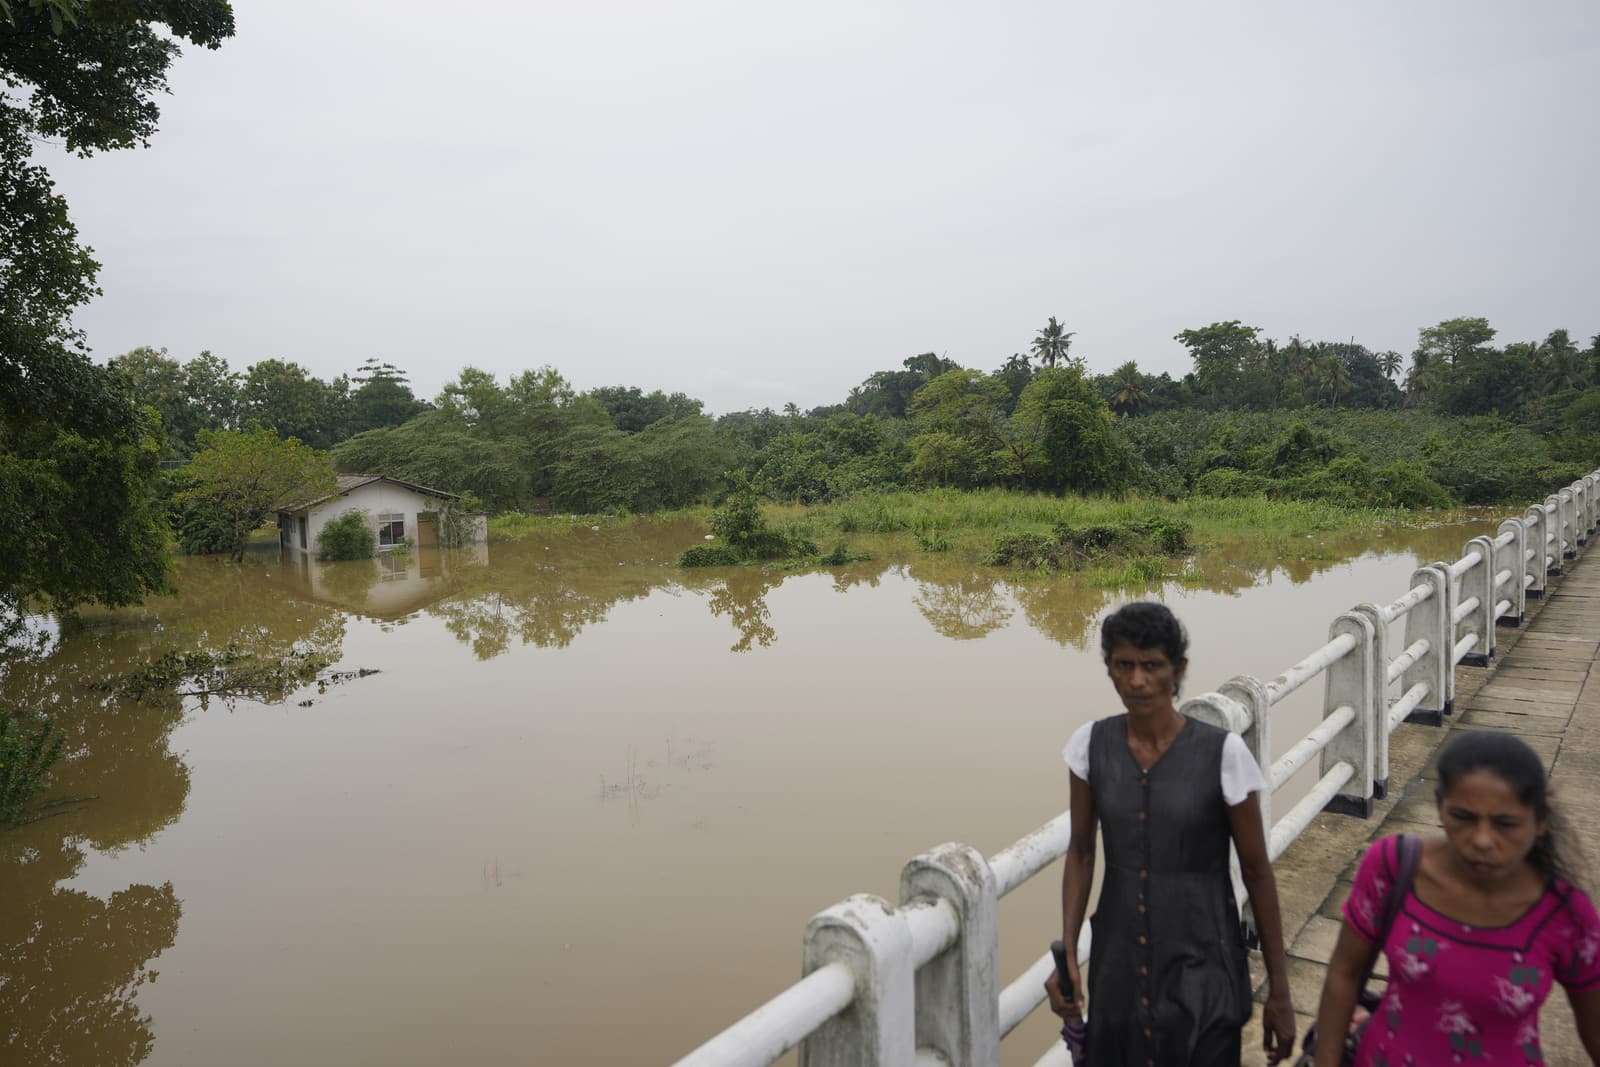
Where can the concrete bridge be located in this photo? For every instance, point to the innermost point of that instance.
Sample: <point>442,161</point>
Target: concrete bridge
<point>1507,637</point>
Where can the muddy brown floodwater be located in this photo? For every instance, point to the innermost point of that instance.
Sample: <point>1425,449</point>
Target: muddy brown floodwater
<point>584,809</point>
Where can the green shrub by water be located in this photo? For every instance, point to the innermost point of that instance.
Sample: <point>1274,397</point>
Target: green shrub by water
<point>745,537</point>
<point>1133,549</point>
<point>347,537</point>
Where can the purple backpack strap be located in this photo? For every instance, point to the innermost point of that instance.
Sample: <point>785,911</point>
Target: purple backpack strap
<point>1408,849</point>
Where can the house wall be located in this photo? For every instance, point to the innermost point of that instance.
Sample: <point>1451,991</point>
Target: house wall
<point>375,498</point>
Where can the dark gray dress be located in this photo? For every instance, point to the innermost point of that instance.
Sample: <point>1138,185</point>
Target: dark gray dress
<point>1168,981</point>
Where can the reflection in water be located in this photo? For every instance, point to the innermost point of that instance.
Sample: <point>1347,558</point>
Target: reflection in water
<point>963,604</point>
<point>72,963</point>
<point>741,598</point>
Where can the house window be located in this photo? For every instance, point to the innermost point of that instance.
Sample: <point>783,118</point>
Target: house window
<point>391,529</point>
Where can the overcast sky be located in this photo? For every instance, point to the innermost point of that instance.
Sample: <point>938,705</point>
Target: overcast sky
<point>758,203</point>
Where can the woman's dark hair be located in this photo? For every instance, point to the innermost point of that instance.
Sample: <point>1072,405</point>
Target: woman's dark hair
<point>1555,854</point>
<point>1144,624</point>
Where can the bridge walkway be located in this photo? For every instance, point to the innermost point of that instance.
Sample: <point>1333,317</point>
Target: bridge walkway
<point>1544,685</point>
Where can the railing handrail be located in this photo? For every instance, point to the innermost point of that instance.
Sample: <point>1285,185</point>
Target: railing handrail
<point>1351,739</point>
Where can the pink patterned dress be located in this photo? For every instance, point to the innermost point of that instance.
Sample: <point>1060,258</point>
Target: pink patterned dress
<point>1468,994</point>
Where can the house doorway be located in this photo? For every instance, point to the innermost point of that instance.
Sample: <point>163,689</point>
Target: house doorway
<point>427,529</point>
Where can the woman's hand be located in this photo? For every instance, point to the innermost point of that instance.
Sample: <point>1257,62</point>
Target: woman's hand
<point>1277,1025</point>
<point>1060,1005</point>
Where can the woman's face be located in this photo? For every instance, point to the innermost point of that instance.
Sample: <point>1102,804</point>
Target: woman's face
<point>1145,678</point>
<point>1487,825</point>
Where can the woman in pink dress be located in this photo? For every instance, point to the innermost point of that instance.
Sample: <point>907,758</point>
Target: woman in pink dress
<point>1491,922</point>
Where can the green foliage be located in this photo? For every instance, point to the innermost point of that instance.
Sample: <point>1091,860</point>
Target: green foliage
<point>1080,449</point>
<point>81,519</point>
<point>631,409</point>
<point>230,674</point>
<point>931,540</point>
<point>1115,546</point>
<point>382,398</point>
<point>841,555</point>
<point>28,750</point>
<point>1220,352</point>
<point>710,556</point>
<point>286,399</point>
<point>347,536</point>
<point>1026,551</point>
<point>203,528</point>
<point>248,475</point>
<point>437,451</point>
<point>744,535</point>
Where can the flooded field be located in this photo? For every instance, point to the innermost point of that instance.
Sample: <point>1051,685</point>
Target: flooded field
<point>585,806</point>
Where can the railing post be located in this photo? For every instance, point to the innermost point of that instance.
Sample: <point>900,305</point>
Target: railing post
<point>878,1028</point>
<point>1430,621</point>
<point>1349,684</point>
<point>1231,714</point>
<point>1379,697</point>
<point>1580,510</point>
<point>1251,694</point>
<point>1479,582</point>
<point>1553,525</point>
<point>1538,569</point>
<point>1514,558</point>
<point>1569,539</point>
<point>958,992</point>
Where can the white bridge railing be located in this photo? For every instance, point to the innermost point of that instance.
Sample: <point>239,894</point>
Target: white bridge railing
<point>918,983</point>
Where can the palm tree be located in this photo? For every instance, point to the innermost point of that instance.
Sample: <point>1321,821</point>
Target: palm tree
<point>1130,394</point>
<point>1052,343</point>
<point>1426,377</point>
<point>1333,376</point>
<point>1563,370</point>
<point>1390,363</point>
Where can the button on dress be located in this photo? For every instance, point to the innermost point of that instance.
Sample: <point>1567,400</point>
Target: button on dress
<point>1169,984</point>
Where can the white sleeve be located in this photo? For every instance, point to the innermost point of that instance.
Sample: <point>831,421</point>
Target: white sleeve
<point>1240,775</point>
<point>1077,751</point>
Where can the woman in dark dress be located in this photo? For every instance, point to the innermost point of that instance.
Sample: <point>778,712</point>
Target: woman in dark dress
<point>1169,980</point>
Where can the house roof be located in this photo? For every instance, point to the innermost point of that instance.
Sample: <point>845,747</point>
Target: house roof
<point>348,483</point>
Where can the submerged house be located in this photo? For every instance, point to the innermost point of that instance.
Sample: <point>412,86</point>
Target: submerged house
<point>399,513</point>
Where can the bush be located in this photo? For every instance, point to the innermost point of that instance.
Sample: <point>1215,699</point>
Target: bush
<point>203,528</point>
<point>1137,541</point>
<point>1026,550</point>
<point>710,556</point>
<point>745,535</point>
<point>347,537</point>
<point>1228,481</point>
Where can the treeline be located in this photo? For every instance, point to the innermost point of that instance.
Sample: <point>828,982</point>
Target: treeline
<point>1468,424</point>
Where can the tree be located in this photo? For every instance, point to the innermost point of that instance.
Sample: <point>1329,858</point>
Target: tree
<point>212,392</point>
<point>888,393</point>
<point>1220,352</point>
<point>157,382</point>
<point>631,409</point>
<point>1052,343</point>
<point>1333,377</point>
<point>1561,365</point>
<point>383,397</point>
<point>247,475</point>
<point>1128,391</point>
<point>77,459</point>
<point>1391,362</point>
<point>1016,372</point>
<point>1079,445</point>
<point>285,398</point>
<point>1454,341</point>
<point>80,516</point>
